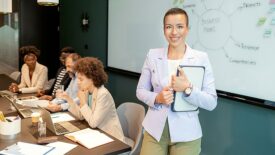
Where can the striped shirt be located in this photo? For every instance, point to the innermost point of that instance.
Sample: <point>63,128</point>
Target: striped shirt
<point>58,80</point>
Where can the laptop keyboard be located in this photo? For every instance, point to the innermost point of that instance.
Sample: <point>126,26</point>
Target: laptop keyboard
<point>26,112</point>
<point>60,129</point>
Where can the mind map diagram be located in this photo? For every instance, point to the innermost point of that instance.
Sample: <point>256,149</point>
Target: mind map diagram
<point>240,30</point>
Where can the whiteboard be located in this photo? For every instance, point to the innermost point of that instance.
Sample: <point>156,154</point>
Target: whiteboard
<point>238,35</point>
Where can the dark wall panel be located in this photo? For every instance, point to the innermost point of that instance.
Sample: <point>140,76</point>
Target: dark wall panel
<point>39,27</point>
<point>92,42</point>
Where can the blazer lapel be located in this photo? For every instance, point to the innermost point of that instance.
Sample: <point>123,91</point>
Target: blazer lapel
<point>188,58</point>
<point>27,76</point>
<point>35,73</point>
<point>162,67</point>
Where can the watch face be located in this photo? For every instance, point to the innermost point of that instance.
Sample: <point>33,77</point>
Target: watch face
<point>188,91</point>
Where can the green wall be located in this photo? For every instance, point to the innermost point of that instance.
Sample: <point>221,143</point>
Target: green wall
<point>71,33</point>
<point>233,128</point>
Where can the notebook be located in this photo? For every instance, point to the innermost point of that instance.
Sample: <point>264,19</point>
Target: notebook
<point>59,128</point>
<point>195,75</point>
<point>25,112</point>
<point>89,138</point>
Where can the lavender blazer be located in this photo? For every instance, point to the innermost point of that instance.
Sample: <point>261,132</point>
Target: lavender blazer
<point>183,126</point>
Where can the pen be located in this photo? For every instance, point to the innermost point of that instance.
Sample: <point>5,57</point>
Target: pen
<point>8,120</point>
<point>17,117</point>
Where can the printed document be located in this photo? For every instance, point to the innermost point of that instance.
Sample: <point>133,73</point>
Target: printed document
<point>22,148</point>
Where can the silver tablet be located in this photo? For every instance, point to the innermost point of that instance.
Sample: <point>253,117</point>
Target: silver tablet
<point>195,75</point>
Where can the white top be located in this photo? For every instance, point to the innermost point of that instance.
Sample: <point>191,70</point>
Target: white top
<point>172,68</point>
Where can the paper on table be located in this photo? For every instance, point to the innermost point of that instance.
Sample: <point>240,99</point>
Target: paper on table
<point>32,101</point>
<point>60,148</point>
<point>61,117</point>
<point>26,100</point>
<point>89,138</point>
<point>22,148</point>
<point>6,93</point>
<point>35,103</point>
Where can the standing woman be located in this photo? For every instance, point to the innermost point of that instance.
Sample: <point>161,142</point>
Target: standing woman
<point>96,104</point>
<point>168,132</point>
<point>33,75</point>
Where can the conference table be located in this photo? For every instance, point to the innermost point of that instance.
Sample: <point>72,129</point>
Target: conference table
<point>29,133</point>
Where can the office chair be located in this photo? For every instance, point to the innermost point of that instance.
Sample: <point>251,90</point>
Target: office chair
<point>49,84</point>
<point>131,116</point>
<point>16,76</point>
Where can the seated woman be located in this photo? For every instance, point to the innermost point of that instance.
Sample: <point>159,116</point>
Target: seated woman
<point>95,103</point>
<point>33,75</point>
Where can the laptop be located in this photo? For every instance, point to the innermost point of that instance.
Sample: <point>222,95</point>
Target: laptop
<point>25,112</point>
<point>4,93</point>
<point>59,128</point>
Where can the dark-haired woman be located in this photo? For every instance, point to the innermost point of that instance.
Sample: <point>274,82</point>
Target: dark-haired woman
<point>33,74</point>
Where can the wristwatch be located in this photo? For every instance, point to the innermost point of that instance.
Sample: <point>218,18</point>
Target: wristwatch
<point>188,90</point>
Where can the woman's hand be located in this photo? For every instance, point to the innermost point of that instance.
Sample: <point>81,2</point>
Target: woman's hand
<point>65,96</point>
<point>14,88</point>
<point>166,96</point>
<point>40,93</point>
<point>54,107</point>
<point>83,96</point>
<point>46,97</point>
<point>181,82</point>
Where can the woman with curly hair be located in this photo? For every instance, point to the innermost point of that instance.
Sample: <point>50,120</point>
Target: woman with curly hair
<point>95,104</point>
<point>33,74</point>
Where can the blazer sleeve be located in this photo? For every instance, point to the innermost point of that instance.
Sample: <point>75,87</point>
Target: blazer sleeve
<point>144,88</point>
<point>102,109</point>
<point>75,109</point>
<point>207,97</point>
